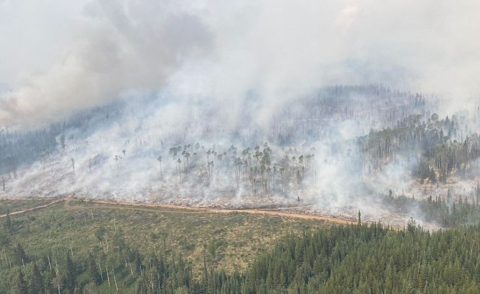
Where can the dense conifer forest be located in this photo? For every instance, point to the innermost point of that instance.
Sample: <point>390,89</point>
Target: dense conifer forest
<point>360,258</point>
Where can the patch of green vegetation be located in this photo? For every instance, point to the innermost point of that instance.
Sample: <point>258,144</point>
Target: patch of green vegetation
<point>113,233</point>
<point>387,133</point>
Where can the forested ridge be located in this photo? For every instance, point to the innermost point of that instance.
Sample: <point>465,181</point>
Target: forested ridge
<point>311,118</point>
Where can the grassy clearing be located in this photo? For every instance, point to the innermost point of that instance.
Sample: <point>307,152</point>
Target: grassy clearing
<point>231,240</point>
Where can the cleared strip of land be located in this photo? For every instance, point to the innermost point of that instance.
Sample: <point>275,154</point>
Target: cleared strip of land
<point>181,209</point>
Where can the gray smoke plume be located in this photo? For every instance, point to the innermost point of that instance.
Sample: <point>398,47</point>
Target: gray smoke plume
<point>211,50</point>
<point>219,73</point>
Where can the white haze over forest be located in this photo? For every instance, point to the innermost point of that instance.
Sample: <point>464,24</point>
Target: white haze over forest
<point>130,79</point>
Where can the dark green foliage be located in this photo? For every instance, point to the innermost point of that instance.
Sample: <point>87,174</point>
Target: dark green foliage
<point>370,259</point>
<point>8,223</point>
<point>100,232</point>
<point>418,137</point>
<point>345,259</point>
<point>21,284</point>
<point>20,255</point>
<point>62,141</point>
<point>444,211</point>
<point>92,269</point>
<point>70,274</point>
<point>132,249</point>
<point>36,284</point>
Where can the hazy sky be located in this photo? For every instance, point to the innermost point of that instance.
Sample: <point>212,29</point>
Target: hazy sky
<point>62,55</point>
<point>34,35</point>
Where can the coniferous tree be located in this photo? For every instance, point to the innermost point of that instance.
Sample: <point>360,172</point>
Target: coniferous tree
<point>20,255</point>
<point>22,287</point>
<point>8,222</point>
<point>36,285</point>
<point>93,270</point>
<point>70,274</point>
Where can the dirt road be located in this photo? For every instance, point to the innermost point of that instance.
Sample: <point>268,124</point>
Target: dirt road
<point>182,209</point>
<point>31,208</point>
<point>220,210</point>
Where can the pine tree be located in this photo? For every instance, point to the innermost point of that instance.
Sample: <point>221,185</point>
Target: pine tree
<point>478,193</point>
<point>36,285</point>
<point>8,222</point>
<point>141,287</point>
<point>93,270</point>
<point>70,274</point>
<point>62,141</point>
<point>21,284</point>
<point>20,255</point>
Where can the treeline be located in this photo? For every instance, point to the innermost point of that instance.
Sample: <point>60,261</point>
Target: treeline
<point>370,259</point>
<point>24,147</point>
<point>441,148</point>
<point>114,267</point>
<point>18,148</point>
<point>448,211</point>
<point>342,259</point>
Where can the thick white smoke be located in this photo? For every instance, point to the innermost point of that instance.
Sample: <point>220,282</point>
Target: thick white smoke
<point>233,65</point>
<point>219,50</point>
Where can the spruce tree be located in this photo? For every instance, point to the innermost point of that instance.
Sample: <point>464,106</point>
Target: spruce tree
<point>36,285</point>
<point>70,274</point>
<point>21,284</point>
<point>93,270</point>
<point>20,255</point>
<point>8,222</point>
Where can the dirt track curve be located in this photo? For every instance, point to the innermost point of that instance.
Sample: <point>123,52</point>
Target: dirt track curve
<point>31,208</point>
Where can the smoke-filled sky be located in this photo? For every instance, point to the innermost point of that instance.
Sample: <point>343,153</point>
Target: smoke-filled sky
<point>58,56</point>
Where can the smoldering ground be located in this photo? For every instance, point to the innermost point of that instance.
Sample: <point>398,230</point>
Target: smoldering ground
<point>159,149</point>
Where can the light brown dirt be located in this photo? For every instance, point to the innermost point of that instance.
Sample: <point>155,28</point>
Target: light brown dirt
<point>219,210</point>
<point>183,209</point>
<point>31,208</point>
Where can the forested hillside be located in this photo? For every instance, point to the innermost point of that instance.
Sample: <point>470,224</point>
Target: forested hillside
<point>437,149</point>
<point>108,242</point>
<point>370,259</point>
<point>132,147</point>
<point>112,255</point>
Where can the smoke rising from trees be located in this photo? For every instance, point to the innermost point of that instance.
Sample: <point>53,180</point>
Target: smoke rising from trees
<point>135,79</point>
